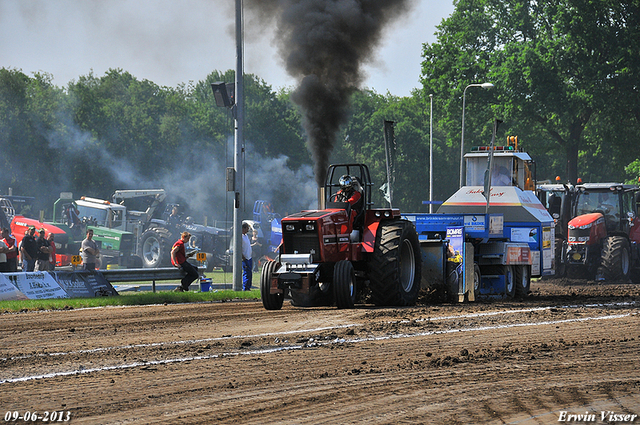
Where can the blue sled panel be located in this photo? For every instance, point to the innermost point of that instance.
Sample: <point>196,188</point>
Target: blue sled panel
<point>433,263</point>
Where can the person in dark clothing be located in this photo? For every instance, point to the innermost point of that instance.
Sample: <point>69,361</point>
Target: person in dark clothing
<point>44,249</point>
<point>29,250</point>
<point>179,260</point>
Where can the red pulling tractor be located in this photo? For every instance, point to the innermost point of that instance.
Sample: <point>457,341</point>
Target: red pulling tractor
<point>330,255</point>
<point>604,235</point>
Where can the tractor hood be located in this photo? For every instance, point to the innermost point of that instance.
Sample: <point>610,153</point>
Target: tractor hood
<point>513,203</point>
<point>334,221</point>
<point>314,214</point>
<point>586,220</point>
<point>21,224</point>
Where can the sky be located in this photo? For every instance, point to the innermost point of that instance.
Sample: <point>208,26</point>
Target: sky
<point>171,42</point>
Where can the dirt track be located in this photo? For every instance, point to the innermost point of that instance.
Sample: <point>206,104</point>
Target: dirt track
<point>570,347</point>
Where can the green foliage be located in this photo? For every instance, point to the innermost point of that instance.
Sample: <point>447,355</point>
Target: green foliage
<point>562,69</point>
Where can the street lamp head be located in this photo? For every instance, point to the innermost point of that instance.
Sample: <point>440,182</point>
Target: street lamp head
<point>487,85</point>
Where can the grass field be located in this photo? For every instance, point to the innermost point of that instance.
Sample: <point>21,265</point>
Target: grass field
<point>139,298</point>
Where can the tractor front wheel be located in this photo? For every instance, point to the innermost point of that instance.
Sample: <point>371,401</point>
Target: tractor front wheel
<point>344,284</point>
<point>615,262</point>
<point>269,301</point>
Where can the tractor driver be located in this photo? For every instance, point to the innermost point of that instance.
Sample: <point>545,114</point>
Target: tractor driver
<point>351,192</point>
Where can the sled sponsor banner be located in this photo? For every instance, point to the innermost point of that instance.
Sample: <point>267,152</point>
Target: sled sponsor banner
<point>37,285</point>
<point>518,255</point>
<point>524,234</point>
<point>8,291</point>
<point>475,222</point>
<point>84,284</point>
<point>455,257</point>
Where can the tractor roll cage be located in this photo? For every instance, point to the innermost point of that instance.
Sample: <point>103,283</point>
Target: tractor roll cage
<point>359,171</point>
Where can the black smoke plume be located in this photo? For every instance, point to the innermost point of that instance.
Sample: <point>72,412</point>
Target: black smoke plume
<point>324,44</point>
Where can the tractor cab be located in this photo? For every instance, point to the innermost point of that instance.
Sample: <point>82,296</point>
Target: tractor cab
<point>510,167</point>
<point>358,177</point>
<point>615,202</point>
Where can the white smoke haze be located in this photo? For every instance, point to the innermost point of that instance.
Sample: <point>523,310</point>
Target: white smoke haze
<point>198,183</point>
<point>271,179</point>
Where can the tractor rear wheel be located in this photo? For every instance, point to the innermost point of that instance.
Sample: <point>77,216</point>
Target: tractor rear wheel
<point>395,266</point>
<point>615,261</point>
<point>523,281</point>
<point>269,301</point>
<point>344,284</point>
<point>155,247</point>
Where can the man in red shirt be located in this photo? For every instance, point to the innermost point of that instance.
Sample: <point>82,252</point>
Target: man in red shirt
<point>12,254</point>
<point>179,260</point>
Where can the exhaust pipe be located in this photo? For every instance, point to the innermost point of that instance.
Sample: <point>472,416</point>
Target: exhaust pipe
<point>321,199</point>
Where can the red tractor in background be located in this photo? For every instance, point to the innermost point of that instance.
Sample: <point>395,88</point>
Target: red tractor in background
<point>603,238</point>
<point>66,245</point>
<point>332,254</point>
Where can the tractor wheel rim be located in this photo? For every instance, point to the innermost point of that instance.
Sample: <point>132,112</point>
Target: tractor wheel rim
<point>150,249</point>
<point>407,265</point>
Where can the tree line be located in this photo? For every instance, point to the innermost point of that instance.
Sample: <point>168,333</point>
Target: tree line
<point>565,77</point>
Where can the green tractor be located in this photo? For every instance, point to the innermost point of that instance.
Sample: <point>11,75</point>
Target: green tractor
<point>117,245</point>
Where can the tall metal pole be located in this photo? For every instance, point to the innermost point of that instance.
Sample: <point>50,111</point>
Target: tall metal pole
<point>238,158</point>
<point>464,97</point>
<point>431,156</point>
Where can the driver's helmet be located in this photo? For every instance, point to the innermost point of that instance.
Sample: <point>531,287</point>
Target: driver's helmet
<point>346,183</point>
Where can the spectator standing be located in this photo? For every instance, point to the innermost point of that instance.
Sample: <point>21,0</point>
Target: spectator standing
<point>179,260</point>
<point>52,254</point>
<point>29,250</point>
<point>90,252</point>
<point>247,261</point>
<point>44,249</point>
<point>12,253</point>
<point>4,267</point>
<point>256,248</point>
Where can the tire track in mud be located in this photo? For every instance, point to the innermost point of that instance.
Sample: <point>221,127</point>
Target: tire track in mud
<point>261,351</point>
<point>370,373</point>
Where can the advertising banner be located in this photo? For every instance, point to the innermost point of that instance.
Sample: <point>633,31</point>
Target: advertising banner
<point>84,284</point>
<point>60,284</point>
<point>455,263</point>
<point>8,291</point>
<point>36,285</point>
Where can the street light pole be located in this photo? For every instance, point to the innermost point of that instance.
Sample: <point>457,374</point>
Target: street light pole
<point>464,96</point>
<point>238,154</point>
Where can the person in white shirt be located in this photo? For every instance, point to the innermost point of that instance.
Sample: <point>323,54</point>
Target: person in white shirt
<point>247,261</point>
